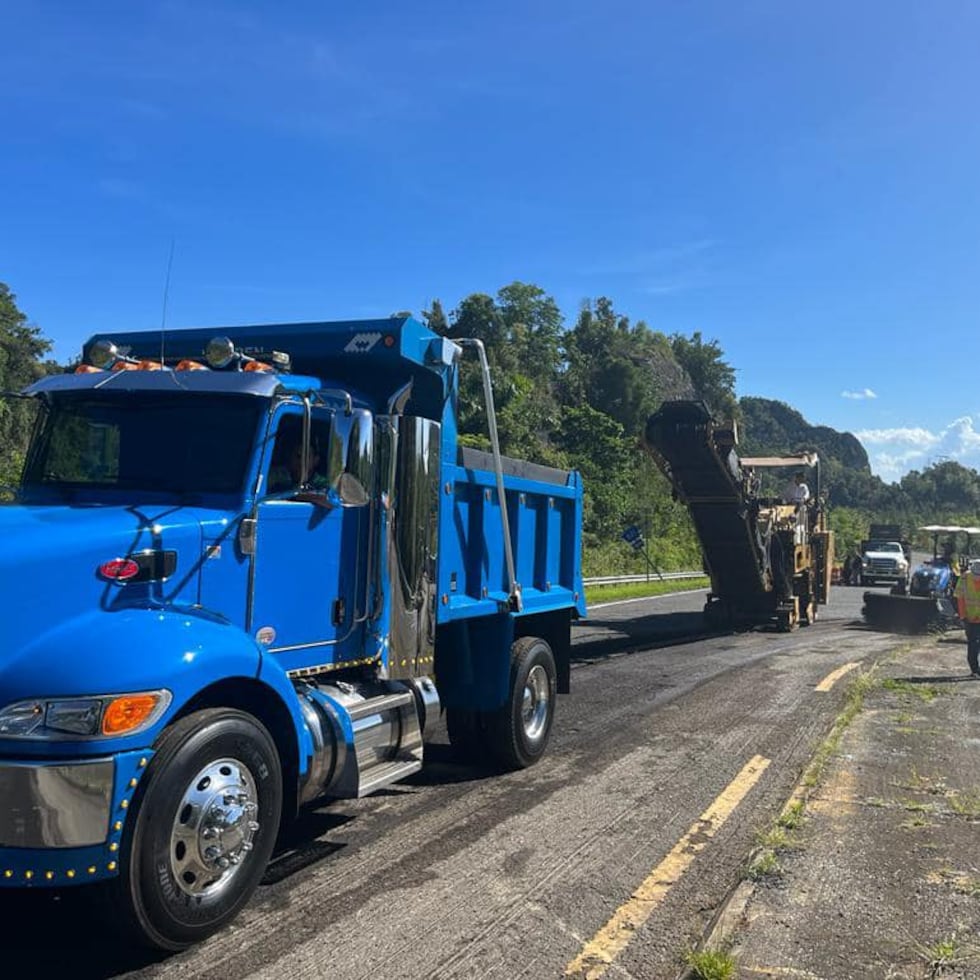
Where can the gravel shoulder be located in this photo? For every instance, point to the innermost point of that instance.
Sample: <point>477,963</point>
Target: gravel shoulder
<point>881,876</point>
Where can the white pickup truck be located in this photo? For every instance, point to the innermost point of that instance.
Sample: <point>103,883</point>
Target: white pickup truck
<point>884,561</point>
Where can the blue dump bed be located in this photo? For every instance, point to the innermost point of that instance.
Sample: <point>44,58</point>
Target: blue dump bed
<point>544,512</point>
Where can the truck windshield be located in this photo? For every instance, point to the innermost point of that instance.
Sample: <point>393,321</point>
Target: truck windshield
<point>176,443</point>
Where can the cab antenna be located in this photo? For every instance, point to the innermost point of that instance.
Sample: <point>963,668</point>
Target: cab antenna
<point>166,295</point>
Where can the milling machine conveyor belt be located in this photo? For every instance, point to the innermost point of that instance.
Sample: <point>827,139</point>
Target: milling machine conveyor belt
<point>700,461</point>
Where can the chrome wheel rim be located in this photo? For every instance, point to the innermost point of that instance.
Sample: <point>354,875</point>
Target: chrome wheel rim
<point>536,703</point>
<point>213,828</point>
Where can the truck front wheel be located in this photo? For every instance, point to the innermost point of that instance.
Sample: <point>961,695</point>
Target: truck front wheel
<point>207,816</point>
<point>519,731</point>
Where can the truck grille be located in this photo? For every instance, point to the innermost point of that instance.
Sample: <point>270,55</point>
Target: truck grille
<point>883,566</point>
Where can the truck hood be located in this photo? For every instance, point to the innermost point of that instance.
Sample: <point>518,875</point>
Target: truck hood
<point>49,569</point>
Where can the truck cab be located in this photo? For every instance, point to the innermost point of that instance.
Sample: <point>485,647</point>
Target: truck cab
<point>884,561</point>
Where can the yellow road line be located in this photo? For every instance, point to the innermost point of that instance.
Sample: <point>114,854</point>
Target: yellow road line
<point>834,676</point>
<point>599,953</point>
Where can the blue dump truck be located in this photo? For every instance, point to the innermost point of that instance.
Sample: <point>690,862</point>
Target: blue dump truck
<point>247,569</point>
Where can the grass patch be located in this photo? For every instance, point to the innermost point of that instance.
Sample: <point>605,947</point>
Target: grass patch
<point>924,692</point>
<point>792,815</point>
<point>914,806</point>
<point>915,823</point>
<point>934,786</point>
<point>857,690</point>
<point>965,804</point>
<point>967,886</point>
<point>640,590</point>
<point>764,865</point>
<point>776,838</point>
<point>904,718</point>
<point>711,964</point>
<point>946,955</point>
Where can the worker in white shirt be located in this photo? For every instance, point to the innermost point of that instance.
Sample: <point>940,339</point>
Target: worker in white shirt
<point>796,492</point>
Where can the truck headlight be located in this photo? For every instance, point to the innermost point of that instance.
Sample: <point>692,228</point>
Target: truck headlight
<point>21,719</point>
<point>98,717</point>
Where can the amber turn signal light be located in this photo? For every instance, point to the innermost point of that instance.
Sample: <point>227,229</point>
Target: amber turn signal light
<point>127,712</point>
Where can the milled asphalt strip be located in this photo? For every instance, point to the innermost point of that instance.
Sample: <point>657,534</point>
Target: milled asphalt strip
<point>601,951</point>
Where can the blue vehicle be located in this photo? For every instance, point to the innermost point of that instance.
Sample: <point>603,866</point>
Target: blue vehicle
<point>246,569</point>
<point>937,576</point>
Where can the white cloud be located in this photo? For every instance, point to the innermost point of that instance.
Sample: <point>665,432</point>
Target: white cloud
<point>894,452</point>
<point>859,395</point>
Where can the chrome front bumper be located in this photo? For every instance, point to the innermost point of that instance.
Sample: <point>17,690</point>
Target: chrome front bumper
<point>55,804</point>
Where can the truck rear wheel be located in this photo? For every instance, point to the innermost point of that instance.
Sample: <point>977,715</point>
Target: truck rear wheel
<point>519,731</point>
<point>207,816</point>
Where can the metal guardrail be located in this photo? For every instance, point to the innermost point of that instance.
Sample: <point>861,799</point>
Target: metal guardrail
<point>642,577</point>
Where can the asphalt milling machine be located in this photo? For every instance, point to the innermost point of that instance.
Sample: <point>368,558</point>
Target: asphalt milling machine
<point>926,603</point>
<point>769,562</point>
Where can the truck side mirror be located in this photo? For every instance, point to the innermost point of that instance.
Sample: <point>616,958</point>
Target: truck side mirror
<point>350,467</point>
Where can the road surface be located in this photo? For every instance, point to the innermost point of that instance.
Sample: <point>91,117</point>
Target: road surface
<point>608,858</point>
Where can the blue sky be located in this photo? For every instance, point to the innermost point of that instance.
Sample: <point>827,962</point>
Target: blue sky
<point>800,182</point>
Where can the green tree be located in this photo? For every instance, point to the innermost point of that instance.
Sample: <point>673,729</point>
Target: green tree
<point>519,330</point>
<point>533,325</point>
<point>596,445</point>
<point>21,348</point>
<point>713,378</point>
<point>435,318</point>
<point>943,491</point>
<point>608,366</point>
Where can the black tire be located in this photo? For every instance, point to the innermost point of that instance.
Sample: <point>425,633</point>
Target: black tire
<point>171,893</point>
<point>518,733</point>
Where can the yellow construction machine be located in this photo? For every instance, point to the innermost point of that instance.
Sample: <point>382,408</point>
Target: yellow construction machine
<point>769,561</point>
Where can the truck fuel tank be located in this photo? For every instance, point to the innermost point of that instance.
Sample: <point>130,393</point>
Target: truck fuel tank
<point>365,735</point>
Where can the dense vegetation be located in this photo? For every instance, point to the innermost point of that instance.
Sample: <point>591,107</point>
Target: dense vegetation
<point>22,348</point>
<point>577,395</point>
